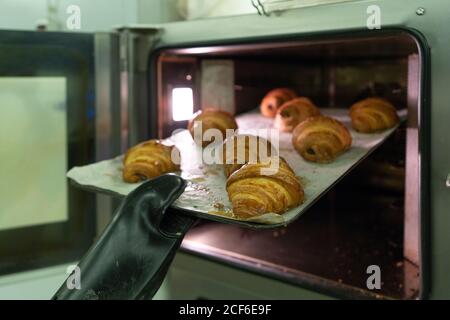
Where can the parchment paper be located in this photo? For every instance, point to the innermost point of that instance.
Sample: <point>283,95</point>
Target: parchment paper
<point>206,196</point>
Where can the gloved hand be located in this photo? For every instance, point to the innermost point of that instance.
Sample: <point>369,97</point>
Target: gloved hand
<point>132,256</point>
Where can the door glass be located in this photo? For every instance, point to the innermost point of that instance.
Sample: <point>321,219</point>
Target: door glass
<point>47,126</point>
<point>33,151</point>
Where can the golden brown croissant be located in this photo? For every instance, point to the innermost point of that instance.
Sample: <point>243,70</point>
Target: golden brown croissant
<point>148,160</point>
<point>252,193</point>
<point>321,139</point>
<point>241,149</point>
<point>210,119</point>
<point>294,111</point>
<point>372,115</point>
<point>274,99</point>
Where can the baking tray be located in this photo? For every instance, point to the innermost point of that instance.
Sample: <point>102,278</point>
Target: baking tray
<point>205,195</point>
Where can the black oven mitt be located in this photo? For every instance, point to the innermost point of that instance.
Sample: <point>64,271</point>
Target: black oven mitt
<point>132,256</point>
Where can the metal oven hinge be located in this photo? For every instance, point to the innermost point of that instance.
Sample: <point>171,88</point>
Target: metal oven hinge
<point>447,182</point>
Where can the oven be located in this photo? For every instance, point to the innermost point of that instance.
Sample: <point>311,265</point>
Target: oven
<point>382,213</point>
<point>371,217</point>
<point>388,214</point>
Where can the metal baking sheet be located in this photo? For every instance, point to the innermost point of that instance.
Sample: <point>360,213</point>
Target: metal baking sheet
<point>206,196</point>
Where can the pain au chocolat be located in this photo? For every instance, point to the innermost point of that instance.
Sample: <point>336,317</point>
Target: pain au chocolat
<point>210,118</point>
<point>253,192</point>
<point>373,115</point>
<point>293,112</point>
<point>273,100</point>
<point>321,139</point>
<point>148,160</point>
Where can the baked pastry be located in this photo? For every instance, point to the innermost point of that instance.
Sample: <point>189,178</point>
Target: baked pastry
<point>210,119</point>
<point>294,111</point>
<point>148,160</point>
<point>372,115</point>
<point>241,149</point>
<point>274,99</point>
<point>253,193</point>
<point>321,139</point>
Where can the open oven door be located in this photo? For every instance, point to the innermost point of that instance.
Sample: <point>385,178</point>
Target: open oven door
<point>47,125</point>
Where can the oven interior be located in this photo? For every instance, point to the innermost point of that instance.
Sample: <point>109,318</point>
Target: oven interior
<point>371,216</point>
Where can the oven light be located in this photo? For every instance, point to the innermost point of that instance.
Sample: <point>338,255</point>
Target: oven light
<point>182,104</point>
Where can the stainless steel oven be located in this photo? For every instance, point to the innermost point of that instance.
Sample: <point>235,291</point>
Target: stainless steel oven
<point>372,216</point>
<point>390,211</point>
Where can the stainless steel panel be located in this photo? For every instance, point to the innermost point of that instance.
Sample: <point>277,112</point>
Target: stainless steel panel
<point>136,45</point>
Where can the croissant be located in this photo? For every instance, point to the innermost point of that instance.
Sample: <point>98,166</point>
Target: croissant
<point>241,149</point>
<point>253,193</point>
<point>372,115</point>
<point>274,99</point>
<point>294,111</point>
<point>321,139</point>
<point>210,119</point>
<point>148,160</point>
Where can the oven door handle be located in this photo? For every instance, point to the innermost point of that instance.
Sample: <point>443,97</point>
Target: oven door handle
<point>133,254</point>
